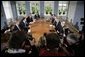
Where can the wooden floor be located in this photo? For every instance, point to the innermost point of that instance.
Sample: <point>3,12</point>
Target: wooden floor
<point>40,27</point>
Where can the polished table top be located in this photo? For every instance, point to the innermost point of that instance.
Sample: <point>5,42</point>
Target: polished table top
<point>39,27</point>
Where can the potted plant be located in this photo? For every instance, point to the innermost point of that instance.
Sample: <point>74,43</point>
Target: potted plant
<point>33,10</point>
<point>64,11</point>
<point>59,12</point>
<point>46,12</point>
<point>46,9</point>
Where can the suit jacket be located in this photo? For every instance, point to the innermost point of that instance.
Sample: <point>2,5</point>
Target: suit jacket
<point>15,28</point>
<point>23,26</point>
<point>59,27</point>
<point>29,19</point>
<point>17,39</point>
<point>37,16</point>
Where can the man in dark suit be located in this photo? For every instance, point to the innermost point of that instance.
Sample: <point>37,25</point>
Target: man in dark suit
<point>37,16</point>
<point>16,27</point>
<point>29,19</point>
<point>59,27</point>
<point>23,25</point>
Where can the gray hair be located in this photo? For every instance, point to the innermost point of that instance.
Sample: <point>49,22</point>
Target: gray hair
<point>72,38</point>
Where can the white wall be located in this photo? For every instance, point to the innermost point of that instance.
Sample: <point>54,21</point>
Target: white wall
<point>76,11</point>
<point>79,13</point>
<point>72,9</point>
<point>3,17</point>
<point>14,10</point>
<point>8,10</point>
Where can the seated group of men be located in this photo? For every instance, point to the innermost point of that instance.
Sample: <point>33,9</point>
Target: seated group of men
<point>15,38</point>
<point>50,43</point>
<point>23,24</point>
<point>69,38</point>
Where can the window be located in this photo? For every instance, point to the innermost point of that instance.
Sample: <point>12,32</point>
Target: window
<point>62,9</point>
<point>49,7</point>
<point>35,7</point>
<point>21,9</point>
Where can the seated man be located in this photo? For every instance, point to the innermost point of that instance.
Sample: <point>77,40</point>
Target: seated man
<point>73,43</point>
<point>4,41</point>
<point>17,38</point>
<point>52,47</point>
<point>16,27</point>
<point>42,41</point>
<point>29,19</point>
<point>67,31</point>
<point>21,40</point>
<point>23,26</point>
<point>59,28</point>
<point>29,46</point>
<point>52,18</point>
<point>37,16</point>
